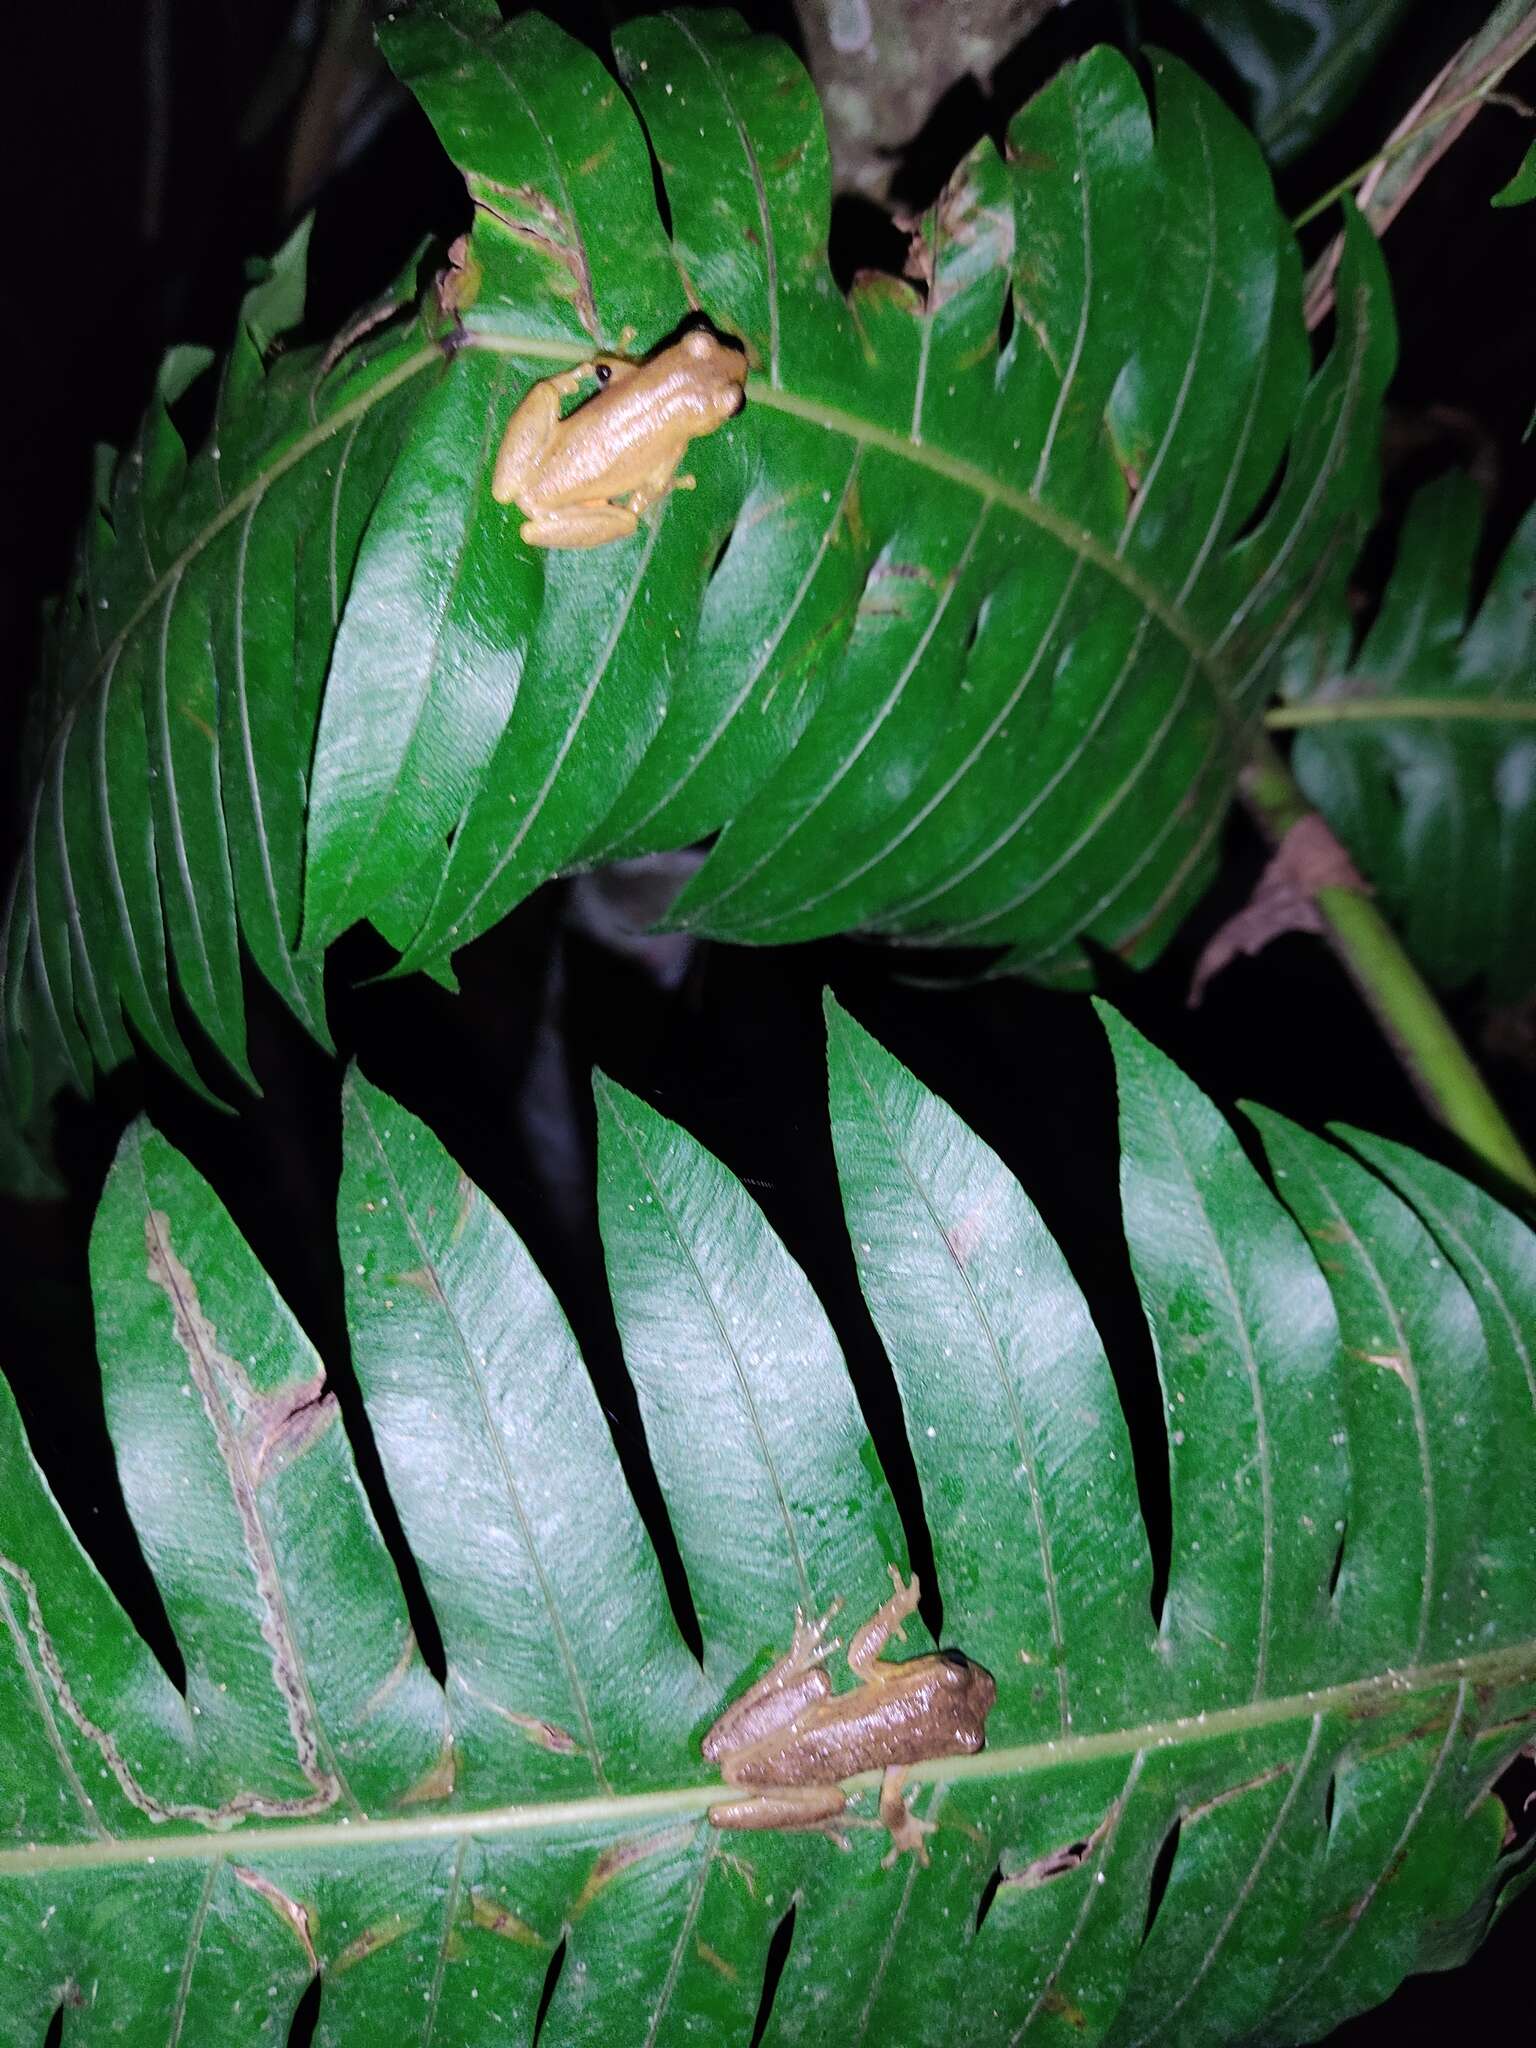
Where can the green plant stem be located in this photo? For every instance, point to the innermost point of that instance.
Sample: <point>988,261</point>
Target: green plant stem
<point>636,1813</point>
<point>1392,710</point>
<point>1400,999</point>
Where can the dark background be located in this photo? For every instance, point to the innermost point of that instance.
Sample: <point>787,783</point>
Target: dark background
<point>156,144</point>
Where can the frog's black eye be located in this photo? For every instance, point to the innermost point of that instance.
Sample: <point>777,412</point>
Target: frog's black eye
<point>602,372</point>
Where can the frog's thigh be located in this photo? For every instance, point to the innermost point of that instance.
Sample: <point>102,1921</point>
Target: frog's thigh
<point>527,436</point>
<point>782,1806</point>
<point>579,526</point>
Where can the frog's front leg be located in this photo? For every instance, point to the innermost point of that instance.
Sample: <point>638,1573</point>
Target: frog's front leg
<point>530,431</point>
<point>900,1823</point>
<point>804,1807</point>
<point>656,486</point>
<point>885,1622</point>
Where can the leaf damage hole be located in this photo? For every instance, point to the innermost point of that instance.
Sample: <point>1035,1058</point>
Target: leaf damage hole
<point>55,2034</point>
<point>988,1894</point>
<point>1515,1790</point>
<point>720,554</point>
<point>306,2015</point>
<point>1162,1871</point>
<point>1055,1863</point>
<point>1005,326</point>
<point>1329,1796</point>
<point>546,1998</point>
<point>1338,1563</point>
<point>773,1970</point>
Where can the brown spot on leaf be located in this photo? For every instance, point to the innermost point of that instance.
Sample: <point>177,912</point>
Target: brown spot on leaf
<point>1389,1361</point>
<point>393,1676</point>
<point>624,1856</point>
<point>502,1921</point>
<point>281,1426</point>
<point>544,1733</point>
<point>437,1783</point>
<point>970,1230</point>
<point>1060,2007</point>
<point>1224,1798</point>
<point>1058,1862</point>
<point>287,1909</point>
<point>530,217</point>
<point>369,1942</point>
<point>717,1962</point>
<point>594,162</point>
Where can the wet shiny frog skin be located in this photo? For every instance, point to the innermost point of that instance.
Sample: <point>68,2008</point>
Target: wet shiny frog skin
<point>789,1739</point>
<point>625,442</point>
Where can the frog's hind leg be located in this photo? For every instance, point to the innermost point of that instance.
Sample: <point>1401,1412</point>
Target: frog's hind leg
<point>884,1623</point>
<point>782,1693</point>
<point>578,526</point>
<point>799,1808</point>
<point>530,430</point>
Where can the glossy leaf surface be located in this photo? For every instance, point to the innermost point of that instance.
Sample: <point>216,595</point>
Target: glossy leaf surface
<point>1297,1755</point>
<point>959,637</point>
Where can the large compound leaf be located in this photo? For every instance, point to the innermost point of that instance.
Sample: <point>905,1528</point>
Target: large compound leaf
<point>959,638</point>
<point>173,726</point>
<point>1421,749</point>
<point>1297,1757</point>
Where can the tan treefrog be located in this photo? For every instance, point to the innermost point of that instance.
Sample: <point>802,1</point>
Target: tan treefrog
<point>625,442</point>
<point>789,1739</point>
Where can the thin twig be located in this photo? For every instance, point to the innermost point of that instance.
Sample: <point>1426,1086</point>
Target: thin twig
<point>1436,120</point>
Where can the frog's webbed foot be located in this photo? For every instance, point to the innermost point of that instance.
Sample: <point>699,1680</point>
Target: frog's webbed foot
<point>901,1823</point>
<point>810,1644</point>
<point>884,1623</point>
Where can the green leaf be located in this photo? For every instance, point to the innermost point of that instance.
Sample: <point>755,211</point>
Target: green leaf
<point>1420,750</point>
<point>1298,1751</point>
<point>1302,65</point>
<point>913,612</point>
<point>186,664</point>
<point>1521,189</point>
<point>960,638</point>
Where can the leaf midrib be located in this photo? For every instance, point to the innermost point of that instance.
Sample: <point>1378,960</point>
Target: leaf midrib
<point>1515,1664</point>
<point>1078,539</point>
